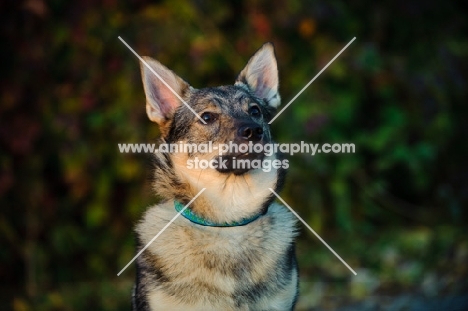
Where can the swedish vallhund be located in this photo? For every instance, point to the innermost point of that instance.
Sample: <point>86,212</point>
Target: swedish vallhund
<point>232,248</point>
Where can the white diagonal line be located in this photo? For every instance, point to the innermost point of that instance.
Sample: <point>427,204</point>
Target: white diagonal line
<point>159,77</point>
<point>159,233</point>
<point>310,82</point>
<point>312,230</point>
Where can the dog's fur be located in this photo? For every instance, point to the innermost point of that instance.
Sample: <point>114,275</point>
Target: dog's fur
<point>195,267</point>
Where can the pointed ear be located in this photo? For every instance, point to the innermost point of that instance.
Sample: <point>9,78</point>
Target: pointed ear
<point>161,102</point>
<point>261,76</point>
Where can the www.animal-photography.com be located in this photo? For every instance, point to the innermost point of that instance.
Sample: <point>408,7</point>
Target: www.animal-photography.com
<point>236,155</point>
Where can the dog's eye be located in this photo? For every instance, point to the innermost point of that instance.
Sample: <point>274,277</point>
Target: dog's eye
<point>255,111</point>
<point>208,117</point>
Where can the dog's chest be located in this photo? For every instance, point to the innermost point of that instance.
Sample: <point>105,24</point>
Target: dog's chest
<point>219,256</point>
<point>220,268</point>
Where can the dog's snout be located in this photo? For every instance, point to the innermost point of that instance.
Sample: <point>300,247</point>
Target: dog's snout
<point>251,132</point>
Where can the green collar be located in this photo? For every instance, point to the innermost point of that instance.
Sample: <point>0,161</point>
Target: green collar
<point>187,213</point>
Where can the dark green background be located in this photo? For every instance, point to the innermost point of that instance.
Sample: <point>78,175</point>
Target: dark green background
<point>395,210</point>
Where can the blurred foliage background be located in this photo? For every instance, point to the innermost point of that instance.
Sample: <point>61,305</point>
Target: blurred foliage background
<point>395,210</point>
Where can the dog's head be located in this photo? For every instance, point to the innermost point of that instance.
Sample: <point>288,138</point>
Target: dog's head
<point>236,114</point>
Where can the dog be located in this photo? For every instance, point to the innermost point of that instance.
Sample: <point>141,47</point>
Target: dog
<point>233,247</point>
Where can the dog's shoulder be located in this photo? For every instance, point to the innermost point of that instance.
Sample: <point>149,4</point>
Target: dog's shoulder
<point>285,224</point>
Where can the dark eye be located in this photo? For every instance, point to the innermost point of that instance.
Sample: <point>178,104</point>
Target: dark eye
<point>208,117</point>
<point>255,111</point>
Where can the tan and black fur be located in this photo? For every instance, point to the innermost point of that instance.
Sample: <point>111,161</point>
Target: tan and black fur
<point>195,267</point>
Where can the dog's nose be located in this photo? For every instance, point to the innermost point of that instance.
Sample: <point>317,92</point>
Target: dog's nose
<point>250,132</point>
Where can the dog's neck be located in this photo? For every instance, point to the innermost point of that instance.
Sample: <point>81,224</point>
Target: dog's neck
<point>186,212</point>
<point>227,198</point>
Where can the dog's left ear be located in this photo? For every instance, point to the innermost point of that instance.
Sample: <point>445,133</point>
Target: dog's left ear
<point>261,75</point>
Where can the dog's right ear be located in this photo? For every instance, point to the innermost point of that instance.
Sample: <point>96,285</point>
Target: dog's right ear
<point>160,84</point>
<point>261,76</point>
